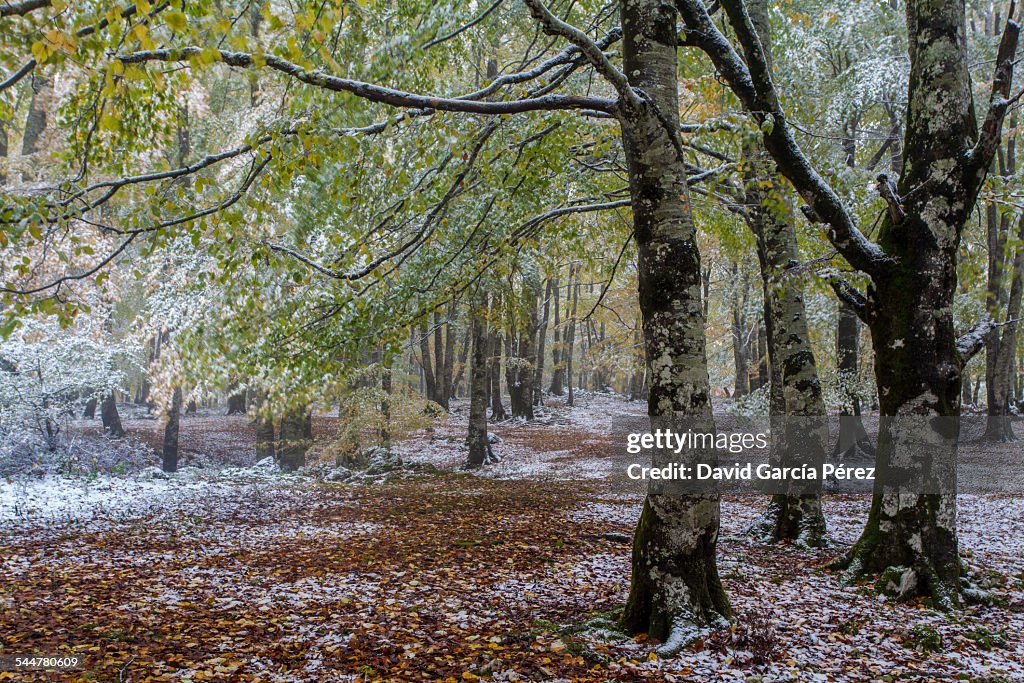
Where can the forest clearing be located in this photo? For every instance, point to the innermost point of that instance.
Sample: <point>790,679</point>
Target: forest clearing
<point>515,340</point>
<point>240,574</point>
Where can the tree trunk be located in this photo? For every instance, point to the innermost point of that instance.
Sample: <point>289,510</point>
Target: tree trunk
<point>1000,350</point>
<point>428,369</point>
<point>853,439</point>
<point>264,429</point>
<point>1000,426</point>
<point>448,366</point>
<point>740,335</point>
<point>911,534</point>
<point>111,418</point>
<point>170,449</point>
<point>763,359</point>
<point>494,363</point>
<point>542,335</point>
<point>479,369</point>
<point>557,386</point>
<point>296,438</point>
<point>570,332</point>
<point>675,584</point>
<point>385,406</point>
<point>236,402</point>
<point>36,122</point>
<point>4,142</point>
<point>461,371</point>
<point>795,390</point>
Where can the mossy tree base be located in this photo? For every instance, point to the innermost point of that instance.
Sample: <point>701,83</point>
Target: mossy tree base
<point>910,550</point>
<point>792,518</point>
<point>676,591</point>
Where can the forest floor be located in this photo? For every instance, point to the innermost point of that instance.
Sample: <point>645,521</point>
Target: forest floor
<point>236,573</point>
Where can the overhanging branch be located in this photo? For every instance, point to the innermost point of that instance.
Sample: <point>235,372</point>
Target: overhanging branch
<point>371,92</point>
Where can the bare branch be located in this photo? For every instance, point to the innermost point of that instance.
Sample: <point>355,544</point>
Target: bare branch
<point>568,56</point>
<point>554,26</point>
<point>464,27</point>
<point>999,101</point>
<point>20,9</point>
<point>131,235</point>
<point>848,294</point>
<point>428,222</point>
<point>971,342</point>
<point>376,93</point>
<point>611,278</point>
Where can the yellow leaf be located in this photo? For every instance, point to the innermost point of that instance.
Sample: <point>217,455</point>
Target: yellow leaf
<point>40,51</point>
<point>176,21</point>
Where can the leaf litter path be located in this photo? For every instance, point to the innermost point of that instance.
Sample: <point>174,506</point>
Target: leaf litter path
<point>457,576</point>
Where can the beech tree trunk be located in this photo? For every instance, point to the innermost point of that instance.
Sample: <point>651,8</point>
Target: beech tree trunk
<point>1000,426</point>
<point>795,390</point>
<point>428,368</point>
<point>296,437</point>
<point>37,121</point>
<point>479,370</point>
<point>236,402</point>
<point>171,430</point>
<point>740,335</point>
<point>852,440</point>
<point>111,418</point>
<point>675,584</point>
<point>542,334</point>
<point>910,534</point>
<point>570,331</point>
<point>557,386</point>
<point>1001,349</point>
<point>494,365</point>
<point>3,152</point>
<point>264,429</point>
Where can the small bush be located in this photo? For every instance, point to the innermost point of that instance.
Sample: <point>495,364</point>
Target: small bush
<point>925,638</point>
<point>987,639</point>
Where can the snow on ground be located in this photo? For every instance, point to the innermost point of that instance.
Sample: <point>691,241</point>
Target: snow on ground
<point>332,578</point>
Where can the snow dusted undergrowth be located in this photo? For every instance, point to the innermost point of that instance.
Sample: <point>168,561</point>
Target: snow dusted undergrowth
<point>243,574</point>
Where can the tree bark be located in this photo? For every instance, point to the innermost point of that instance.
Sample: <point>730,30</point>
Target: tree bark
<point>740,335</point>
<point>37,121</point>
<point>1000,426</point>
<point>428,369</point>
<point>236,402</point>
<point>478,376</point>
<point>570,332</point>
<point>264,429</point>
<point>1000,350</point>
<point>296,437</point>
<point>910,302</point>
<point>675,584</point>
<point>448,366</point>
<point>494,362</point>
<point>111,418</point>
<point>557,386</point>
<point>795,390</point>
<point>542,335</point>
<point>385,406</point>
<point>171,431</point>
<point>853,439</point>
